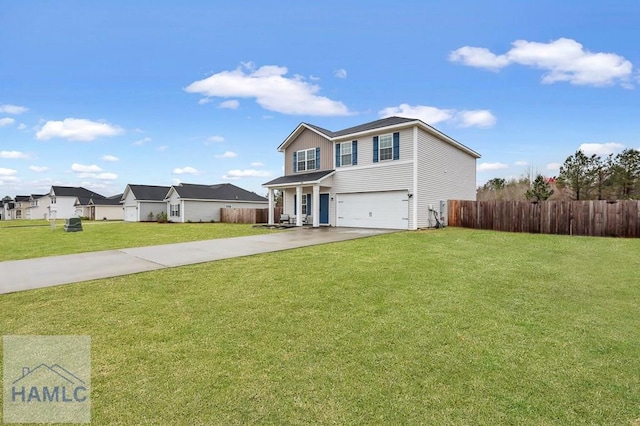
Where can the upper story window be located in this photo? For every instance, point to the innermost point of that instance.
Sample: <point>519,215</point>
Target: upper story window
<point>53,200</point>
<point>386,147</point>
<point>347,154</point>
<point>305,160</point>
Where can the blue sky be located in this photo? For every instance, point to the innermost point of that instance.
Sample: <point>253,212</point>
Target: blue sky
<point>102,94</point>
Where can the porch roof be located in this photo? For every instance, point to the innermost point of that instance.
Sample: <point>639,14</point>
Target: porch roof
<point>300,179</point>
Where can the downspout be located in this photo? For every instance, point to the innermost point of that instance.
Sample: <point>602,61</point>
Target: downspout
<point>416,196</point>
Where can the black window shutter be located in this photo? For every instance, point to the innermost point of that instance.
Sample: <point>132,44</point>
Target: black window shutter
<point>375,149</point>
<point>396,146</point>
<point>354,152</point>
<point>337,155</point>
<point>317,158</point>
<point>295,162</point>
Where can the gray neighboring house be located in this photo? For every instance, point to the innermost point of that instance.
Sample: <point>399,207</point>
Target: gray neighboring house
<point>394,173</point>
<point>143,202</point>
<point>194,203</point>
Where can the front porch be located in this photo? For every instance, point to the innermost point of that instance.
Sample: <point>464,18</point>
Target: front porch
<point>305,198</point>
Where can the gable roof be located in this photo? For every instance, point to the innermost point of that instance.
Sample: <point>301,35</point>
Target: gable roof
<point>388,123</point>
<point>220,192</point>
<point>22,198</point>
<point>74,191</point>
<point>148,192</point>
<point>107,201</point>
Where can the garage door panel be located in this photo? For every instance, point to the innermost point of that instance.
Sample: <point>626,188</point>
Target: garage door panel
<point>385,209</point>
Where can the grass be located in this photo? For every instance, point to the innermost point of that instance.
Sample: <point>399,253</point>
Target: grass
<point>436,327</point>
<point>34,238</point>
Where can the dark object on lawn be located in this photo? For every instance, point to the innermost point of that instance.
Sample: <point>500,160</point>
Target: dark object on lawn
<point>73,225</point>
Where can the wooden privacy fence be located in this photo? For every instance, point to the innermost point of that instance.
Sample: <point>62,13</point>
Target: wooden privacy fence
<point>248,215</point>
<point>594,217</point>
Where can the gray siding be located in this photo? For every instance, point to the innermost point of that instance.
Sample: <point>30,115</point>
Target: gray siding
<point>309,139</point>
<point>444,173</point>
<point>153,207</point>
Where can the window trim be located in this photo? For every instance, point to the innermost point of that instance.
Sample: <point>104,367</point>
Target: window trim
<point>390,147</point>
<point>309,160</point>
<point>342,154</point>
<point>174,210</point>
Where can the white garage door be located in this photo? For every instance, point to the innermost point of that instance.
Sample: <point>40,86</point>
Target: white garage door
<point>130,214</point>
<point>387,209</point>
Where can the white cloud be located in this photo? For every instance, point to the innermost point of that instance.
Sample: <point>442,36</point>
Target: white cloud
<point>38,169</point>
<point>227,154</point>
<point>110,158</point>
<point>237,174</point>
<point>562,60</point>
<point>257,164</point>
<point>204,101</point>
<point>432,115</point>
<point>162,148</point>
<point>485,167</point>
<point>12,109</point>
<point>5,121</point>
<point>185,171</point>
<point>271,90</point>
<point>521,163</point>
<point>142,141</point>
<point>341,73</point>
<point>99,176</point>
<point>77,129</point>
<point>428,114</point>
<point>554,166</point>
<point>215,139</point>
<point>7,172</point>
<point>22,126</point>
<point>14,155</point>
<point>81,168</point>
<point>476,118</point>
<point>230,104</point>
<point>600,148</point>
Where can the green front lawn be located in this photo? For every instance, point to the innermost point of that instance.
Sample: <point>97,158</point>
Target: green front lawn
<point>27,239</point>
<point>438,327</point>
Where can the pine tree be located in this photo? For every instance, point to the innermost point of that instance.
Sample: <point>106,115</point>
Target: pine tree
<point>540,190</point>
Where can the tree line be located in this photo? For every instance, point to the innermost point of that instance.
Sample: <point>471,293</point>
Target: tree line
<point>581,177</point>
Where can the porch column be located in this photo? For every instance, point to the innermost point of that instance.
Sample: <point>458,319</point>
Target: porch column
<point>315,206</point>
<point>298,206</point>
<point>270,196</point>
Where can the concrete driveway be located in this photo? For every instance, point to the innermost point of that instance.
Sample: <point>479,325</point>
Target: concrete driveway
<point>19,275</point>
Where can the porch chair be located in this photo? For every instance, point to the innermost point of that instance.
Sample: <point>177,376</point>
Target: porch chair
<point>284,218</point>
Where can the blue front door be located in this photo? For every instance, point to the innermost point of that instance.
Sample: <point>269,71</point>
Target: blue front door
<point>324,209</point>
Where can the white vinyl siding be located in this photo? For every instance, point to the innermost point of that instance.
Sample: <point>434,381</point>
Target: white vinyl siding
<point>444,173</point>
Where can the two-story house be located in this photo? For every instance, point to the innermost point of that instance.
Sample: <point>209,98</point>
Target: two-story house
<point>394,173</point>
<point>63,201</point>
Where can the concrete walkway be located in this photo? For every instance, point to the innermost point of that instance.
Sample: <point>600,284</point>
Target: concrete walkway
<point>20,275</point>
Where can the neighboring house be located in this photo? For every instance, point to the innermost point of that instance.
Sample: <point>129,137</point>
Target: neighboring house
<point>7,208</point>
<point>100,208</point>
<point>392,173</point>
<point>195,203</point>
<point>38,206</point>
<point>21,207</point>
<point>68,201</point>
<point>144,202</point>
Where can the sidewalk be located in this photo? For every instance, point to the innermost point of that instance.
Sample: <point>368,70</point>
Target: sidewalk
<point>20,275</point>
